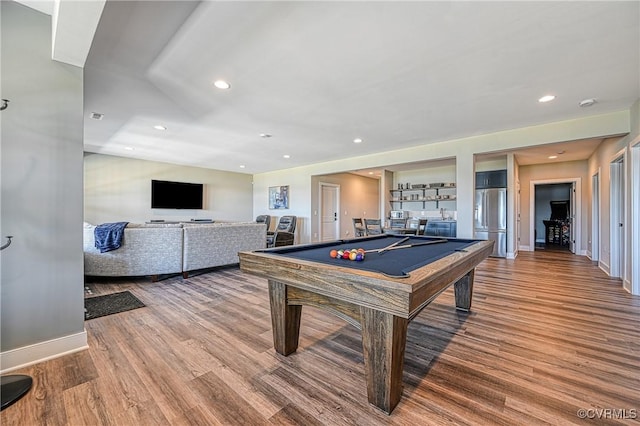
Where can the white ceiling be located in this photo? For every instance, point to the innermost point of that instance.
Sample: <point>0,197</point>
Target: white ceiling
<point>316,75</point>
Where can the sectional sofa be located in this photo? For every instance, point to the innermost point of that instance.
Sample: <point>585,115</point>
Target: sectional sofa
<point>161,249</point>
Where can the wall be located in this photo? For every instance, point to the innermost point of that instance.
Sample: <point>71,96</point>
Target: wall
<point>599,162</point>
<point>541,172</point>
<point>359,197</point>
<point>463,150</point>
<point>441,171</point>
<point>119,189</point>
<point>42,306</point>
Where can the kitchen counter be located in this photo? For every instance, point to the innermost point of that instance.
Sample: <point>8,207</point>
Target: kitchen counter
<point>441,228</point>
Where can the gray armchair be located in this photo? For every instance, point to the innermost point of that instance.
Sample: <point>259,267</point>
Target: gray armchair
<point>284,233</point>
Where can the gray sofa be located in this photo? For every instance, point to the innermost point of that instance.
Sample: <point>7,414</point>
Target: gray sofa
<point>217,244</point>
<point>162,249</point>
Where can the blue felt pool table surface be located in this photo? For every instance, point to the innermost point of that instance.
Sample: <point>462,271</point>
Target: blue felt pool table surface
<point>393,263</point>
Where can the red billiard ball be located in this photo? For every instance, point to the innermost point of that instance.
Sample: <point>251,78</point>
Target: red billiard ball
<point>346,255</point>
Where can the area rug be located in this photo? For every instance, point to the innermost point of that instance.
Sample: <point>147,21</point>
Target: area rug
<point>99,306</point>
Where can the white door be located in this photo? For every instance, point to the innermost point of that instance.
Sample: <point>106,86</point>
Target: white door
<point>329,208</point>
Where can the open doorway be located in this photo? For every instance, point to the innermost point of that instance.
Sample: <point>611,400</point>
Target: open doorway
<point>555,212</point>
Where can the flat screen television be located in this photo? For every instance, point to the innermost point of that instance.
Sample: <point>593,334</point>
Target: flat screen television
<point>176,195</point>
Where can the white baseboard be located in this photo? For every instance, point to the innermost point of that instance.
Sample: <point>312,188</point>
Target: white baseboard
<point>604,267</point>
<point>512,256</point>
<point>626,284</point>
<point>43,351</point>
<point>524,248</point>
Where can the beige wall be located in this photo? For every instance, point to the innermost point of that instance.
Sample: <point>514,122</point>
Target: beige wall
<point>359,197</point>
<point>463,150</point>
<point>599,163</point>
<point>552,172</point>
<point>119,189</point>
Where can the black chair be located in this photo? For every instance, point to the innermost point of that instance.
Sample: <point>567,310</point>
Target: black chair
<point>264,218</point>
<point>286,225</point>
<point>358,227</point>
<point>373,226</point>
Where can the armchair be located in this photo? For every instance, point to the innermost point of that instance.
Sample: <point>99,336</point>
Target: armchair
<point>264,218</point>
<point>286,225</point>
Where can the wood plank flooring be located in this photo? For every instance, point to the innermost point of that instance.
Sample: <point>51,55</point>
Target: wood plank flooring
<point>548,335</point>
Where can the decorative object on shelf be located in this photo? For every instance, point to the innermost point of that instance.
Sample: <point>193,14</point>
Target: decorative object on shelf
<point>278,197</point>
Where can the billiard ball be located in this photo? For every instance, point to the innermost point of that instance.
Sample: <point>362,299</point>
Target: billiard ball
<point>359,257</point>
<point>333,253</point>
<point>353,255</point>
<point>346,255</point>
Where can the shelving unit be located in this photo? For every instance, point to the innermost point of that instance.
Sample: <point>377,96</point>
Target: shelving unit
<point>423,195</point>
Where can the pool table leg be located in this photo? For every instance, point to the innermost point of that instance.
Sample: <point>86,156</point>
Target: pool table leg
<point>285,319</point>
<point>464,291</point>
<point>384,337</point>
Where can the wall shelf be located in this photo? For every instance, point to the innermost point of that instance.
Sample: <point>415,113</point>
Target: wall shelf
<point>424,195</point>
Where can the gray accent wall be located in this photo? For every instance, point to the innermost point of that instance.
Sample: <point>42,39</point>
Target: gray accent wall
<point>41,181</point>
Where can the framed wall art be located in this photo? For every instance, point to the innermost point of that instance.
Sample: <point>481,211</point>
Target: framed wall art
<point>278,197</point>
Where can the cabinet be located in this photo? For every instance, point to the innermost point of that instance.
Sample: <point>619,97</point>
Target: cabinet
<point>491,179</point>
<point>420,195</point>
<point>444,228</point>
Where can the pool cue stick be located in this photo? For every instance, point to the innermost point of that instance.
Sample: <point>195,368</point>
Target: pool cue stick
<point>382,250</point>
<point>408,246</point>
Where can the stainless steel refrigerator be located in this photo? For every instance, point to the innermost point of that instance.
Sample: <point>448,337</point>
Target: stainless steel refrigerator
<point>490,218</point>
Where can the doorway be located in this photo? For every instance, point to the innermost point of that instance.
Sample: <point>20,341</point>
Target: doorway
<point>566,234</point>
<point>329,208</point>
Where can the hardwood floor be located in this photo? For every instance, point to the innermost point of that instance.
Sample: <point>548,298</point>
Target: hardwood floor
<point>548,335</point>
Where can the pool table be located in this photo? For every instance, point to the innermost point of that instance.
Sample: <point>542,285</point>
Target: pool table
<point>379,295</point>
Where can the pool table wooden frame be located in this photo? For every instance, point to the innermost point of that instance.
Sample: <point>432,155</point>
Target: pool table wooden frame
<point>379,305</point>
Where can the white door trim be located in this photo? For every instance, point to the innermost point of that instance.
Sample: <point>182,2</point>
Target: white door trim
<point>577,210</point>
<point>617,201</point>
<point>595,215</point>
<point>635,218</point>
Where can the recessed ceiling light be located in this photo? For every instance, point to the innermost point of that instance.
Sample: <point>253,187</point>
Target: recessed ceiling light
<point>265,135</point>
<point>97,116</point>
<point>546,98</point>
<point>128,148</point>
<point>221,84</point>
<point>159,127</point>
<point>286,156</point>
<point>242,166</point>
<point>357,140</point>
<point>587,102</point>
<point>370,173</point>
<point>553,157</point>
